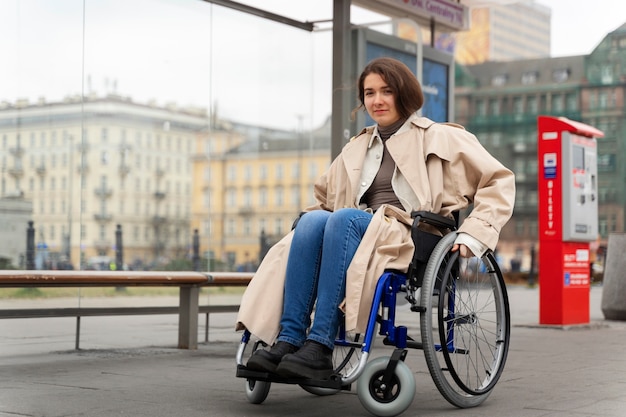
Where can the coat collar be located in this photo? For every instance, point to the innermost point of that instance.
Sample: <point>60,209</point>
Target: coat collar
<point>403,153</point>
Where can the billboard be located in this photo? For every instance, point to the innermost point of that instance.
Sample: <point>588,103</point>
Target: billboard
<point>436,77</point>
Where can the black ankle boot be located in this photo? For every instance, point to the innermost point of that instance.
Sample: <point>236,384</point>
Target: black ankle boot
<point>311,361</point>
<point>268,360</point>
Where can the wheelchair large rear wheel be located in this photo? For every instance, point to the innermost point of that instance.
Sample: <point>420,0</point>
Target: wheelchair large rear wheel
<point>465,325</point>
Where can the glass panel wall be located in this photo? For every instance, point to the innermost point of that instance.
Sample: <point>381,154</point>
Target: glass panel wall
<point>157,119</point>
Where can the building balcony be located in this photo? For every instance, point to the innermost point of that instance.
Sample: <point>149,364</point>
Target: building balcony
<point>158,220</point>
<point>83,169</point>
<point>159,195</point>
<point>123,170</point>
<point>83,147</point>
<point>103,192</point>
<point>17,151</point>
<point>103,217</point>
<point>246,211</point>
<point>160,172</point>
<point>41,170</point>
<point>102,245</point>
<point>16,172</point>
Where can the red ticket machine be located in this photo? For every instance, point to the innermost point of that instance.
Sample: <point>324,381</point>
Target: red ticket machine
<point>568,218</point>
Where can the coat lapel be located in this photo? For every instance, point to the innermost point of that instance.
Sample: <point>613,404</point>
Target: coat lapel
<point>407,150</point>
<point>353,156</point>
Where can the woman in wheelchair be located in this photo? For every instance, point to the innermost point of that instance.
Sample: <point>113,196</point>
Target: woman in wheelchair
<point>361,224</point>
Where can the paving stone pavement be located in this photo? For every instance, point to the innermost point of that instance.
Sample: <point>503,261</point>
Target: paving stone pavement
<point>129,366</point>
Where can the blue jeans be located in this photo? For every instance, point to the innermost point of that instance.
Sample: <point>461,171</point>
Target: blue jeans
<point>323,246</point>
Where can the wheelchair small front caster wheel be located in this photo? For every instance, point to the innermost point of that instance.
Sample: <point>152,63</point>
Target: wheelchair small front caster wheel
<point>256,391</point>
<point>380,399</point>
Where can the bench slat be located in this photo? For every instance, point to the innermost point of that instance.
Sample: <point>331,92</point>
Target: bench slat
<point>27,313</point>
<point>100,278</point>
<point>229,278</point>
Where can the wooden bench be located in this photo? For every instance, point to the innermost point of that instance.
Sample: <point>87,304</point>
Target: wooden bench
<point>189,284</point>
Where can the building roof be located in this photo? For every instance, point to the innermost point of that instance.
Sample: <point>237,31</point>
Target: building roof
<point>528,72</point>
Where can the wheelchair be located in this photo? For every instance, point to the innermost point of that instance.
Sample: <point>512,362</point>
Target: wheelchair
<point>464,330</point>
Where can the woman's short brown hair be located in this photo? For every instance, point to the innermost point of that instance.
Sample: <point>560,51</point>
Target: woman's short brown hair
<point>402,82</point>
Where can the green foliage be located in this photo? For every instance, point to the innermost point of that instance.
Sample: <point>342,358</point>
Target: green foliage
<point>5,263</point>
<point>179,265</point>
<point>28,292</point>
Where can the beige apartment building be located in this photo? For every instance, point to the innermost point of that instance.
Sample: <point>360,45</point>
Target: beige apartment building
<point>160,173</point>
<point>90,165</point>
<point>251,186</point>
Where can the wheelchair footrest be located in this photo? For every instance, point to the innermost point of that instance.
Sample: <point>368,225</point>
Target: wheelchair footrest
<point>334,382</point>
<point>412,344</point>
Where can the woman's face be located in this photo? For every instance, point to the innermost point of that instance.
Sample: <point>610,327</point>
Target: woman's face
<point>379,100</point>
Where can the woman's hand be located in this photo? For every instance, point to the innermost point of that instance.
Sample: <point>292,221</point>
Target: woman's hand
<point>464,251</point>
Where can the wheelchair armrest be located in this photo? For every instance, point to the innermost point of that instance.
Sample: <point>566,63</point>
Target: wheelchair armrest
<point>433,219</point>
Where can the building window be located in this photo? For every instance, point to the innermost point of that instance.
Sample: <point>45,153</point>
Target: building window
<point>606,74</point>
<point>247,173</point>
<point>557,103</point>
<point>313,170</point>
<point>532,198</point>
<point>571,103</point>
<point>247,229</point>
<point>263,197</point>
<point>230,227</point>
<point>279,172</point>
<point>519,228</point>
<point>232,173</point>
<point>481,108</point>
<point>560,75</point>
<point>518,105</point>
<point>494,107</point>
<point>530,77</point>
<point>231,197</point>
<point>295,196</point>
<point>279,198</point>
<point>499,80</point>
<point>278,227</point>
<point>247,197</point>
<point>496,139</point>
<point>531,103</point>
<point>206,198</point>
<point>263,172</point>
<point>602,99</point>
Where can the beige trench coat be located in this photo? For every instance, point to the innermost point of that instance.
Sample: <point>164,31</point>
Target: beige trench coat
<point>447,170</point>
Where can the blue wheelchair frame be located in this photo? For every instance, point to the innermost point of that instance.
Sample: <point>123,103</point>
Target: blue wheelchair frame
<point>383,313</point>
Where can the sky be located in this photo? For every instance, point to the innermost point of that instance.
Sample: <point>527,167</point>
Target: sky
<point>196,54</point>
<point>578,26</point>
